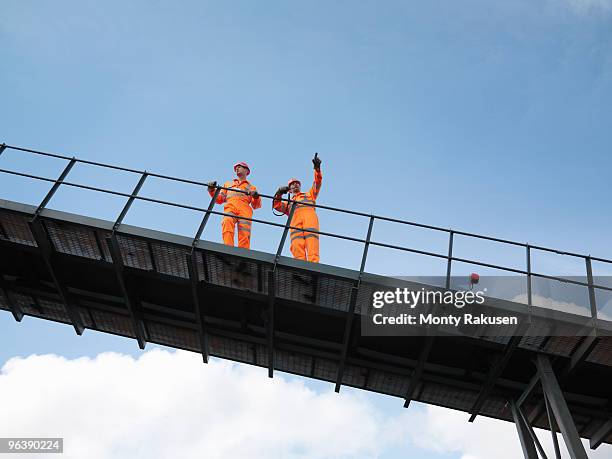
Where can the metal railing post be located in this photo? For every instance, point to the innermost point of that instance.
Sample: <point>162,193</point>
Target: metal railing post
<point>129,202</point>
<point>592,299</point>
<point>366,247</point>
<point>205,218</point>
<point>450,259</point>
<point>529,279</point>
<point>54,188</point>
<point>284,237</point>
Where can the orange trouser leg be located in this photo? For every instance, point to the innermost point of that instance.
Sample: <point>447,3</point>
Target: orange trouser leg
<point>298,248</point>
<point>298,243</point>
<point>244,233</point>
<point>227,230</point>
<point>312,246</point>
<point>311,223</point>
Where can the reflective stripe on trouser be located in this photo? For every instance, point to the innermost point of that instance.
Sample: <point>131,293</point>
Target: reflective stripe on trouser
<point>228,225</point>
<point>304,244</point>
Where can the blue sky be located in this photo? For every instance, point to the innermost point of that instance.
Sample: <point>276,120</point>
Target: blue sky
<point>490,117</point>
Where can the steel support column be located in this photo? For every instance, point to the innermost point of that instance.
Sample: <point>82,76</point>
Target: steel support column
<point>46,251</point>
<point>552,424</point>
<point>270,324</point>
<point>564,420</point>
<point>272,293</point>
<point>527,444</point>
<point>128,295</point>
<point>348,327</point>
<point>496,370</point>
<point>415,378</point>
<point>197,304</point>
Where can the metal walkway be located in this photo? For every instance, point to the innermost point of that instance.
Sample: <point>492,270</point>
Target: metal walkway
<point>302,318</point>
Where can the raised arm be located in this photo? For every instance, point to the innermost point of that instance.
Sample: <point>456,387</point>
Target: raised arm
<point>316,184</point>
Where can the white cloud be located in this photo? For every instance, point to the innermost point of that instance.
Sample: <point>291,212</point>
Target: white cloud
<point>168,404</point>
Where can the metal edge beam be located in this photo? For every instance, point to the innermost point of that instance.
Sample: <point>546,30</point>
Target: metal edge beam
<point>559,407</point>
<point>494,374</point>
<point>600,435</point>
<point>128,296</point>
<point>46,250</point>
<point>197,304</point>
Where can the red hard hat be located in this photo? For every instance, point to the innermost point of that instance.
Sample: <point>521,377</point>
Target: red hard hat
<point>474,278</point>
<point>243,164</point>
<point>293,180</point>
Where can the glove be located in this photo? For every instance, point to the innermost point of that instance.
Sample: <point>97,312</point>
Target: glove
<point>282,190</point>
<point>254,194</point>
<point>316,161</point>
<point>212,185</point>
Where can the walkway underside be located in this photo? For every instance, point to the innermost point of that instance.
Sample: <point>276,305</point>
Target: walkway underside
<point>231,303</point>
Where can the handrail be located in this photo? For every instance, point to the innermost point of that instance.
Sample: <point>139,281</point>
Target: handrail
<point>208,211</point>
<point>320,206</point>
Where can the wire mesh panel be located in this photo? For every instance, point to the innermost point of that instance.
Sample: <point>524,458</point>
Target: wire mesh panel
<point>170,335</point>
<point>135,252</point>
<point>231,349</point>
<point>316,288</point>
<point>78,240</point>
<point>325,369</point>
<point>293,362</point>
<point>602,353</point>
<point>113,323</point>
<point>26,303</point>
<point>562,345</point>
<point>387,383</point>
<point>14,228</point>
<point>354,376</point>
<point>53,310</point>
<point>169,259</point>
<point>228,271</point>
<point>85,317</point>
<point>495,406</point>
<point>438,394</point>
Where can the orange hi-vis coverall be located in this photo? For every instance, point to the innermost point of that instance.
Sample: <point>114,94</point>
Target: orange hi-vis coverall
<point>238,204</point>
<point>304,244</point>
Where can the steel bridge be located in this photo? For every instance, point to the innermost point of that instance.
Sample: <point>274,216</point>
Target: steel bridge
<point>302,318</point>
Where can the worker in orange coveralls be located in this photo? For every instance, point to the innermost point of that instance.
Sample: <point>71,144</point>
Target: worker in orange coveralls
<point>239,204</point>
<point>304,243</point>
